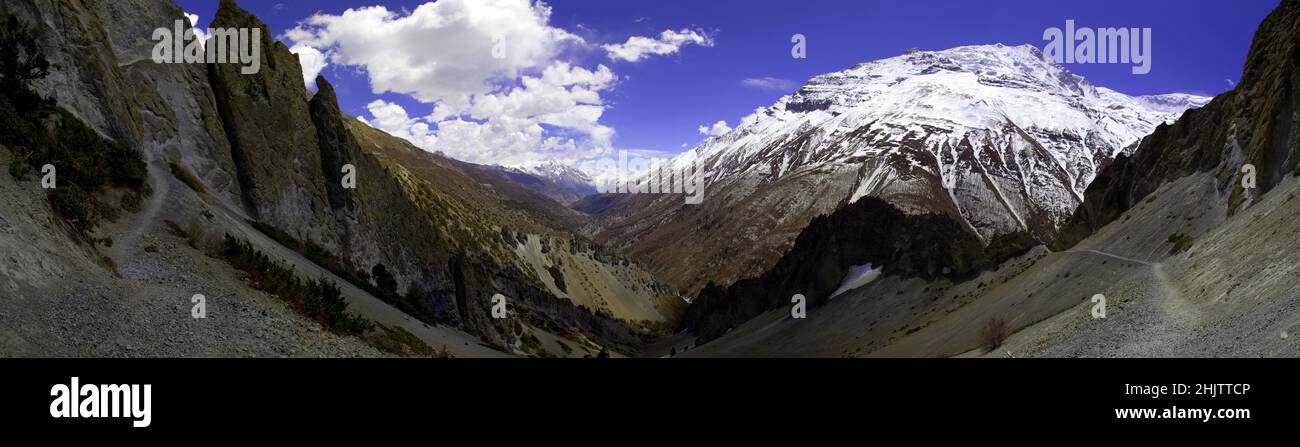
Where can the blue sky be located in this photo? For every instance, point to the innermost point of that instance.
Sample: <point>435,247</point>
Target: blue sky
<point>659,102</point>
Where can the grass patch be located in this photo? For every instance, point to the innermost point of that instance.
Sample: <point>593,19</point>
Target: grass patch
<point>399,341</point>
<point>1296,172</point>
<point>529,343</point>
<point>176,229</point>
<point>186,177</point>
<point>1182,243</point>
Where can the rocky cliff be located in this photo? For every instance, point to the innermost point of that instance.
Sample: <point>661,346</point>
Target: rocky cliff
<point>1256,123</point>
<point>869,232</point>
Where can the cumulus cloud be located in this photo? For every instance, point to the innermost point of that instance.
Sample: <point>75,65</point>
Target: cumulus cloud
<point>669,42</point>
<point>312,60</point>
<point>510,128</point>
<point>442,51</point>
<point>769,83</point>
<point>717,129</point>
<point>392,118</point>
<point>490,70</point>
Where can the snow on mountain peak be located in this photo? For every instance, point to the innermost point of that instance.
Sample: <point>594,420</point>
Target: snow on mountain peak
<point>985,120</point>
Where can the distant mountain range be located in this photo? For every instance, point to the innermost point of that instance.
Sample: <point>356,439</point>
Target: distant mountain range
<point>562,183</point>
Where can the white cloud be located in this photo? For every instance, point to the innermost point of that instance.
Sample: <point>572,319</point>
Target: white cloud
<point>490,69</point>
<point>442,51</point>
<point>198,32</point>
<point>769,83</point>
<point>717,129</point>
<point>393,119</point>
<point>508,128</point>
<point>312,60</point>
<point>669,42</point>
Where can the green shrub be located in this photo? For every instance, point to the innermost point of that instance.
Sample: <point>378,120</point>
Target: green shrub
<point>71,202</point>
<point>399,341</point>
<point>1296,172</point>
<point>530,344</point>
<point>186,177</point>
<point>277,234</point>
<point>19,169</point>
<point>1182,243</point>
<point>383,279</point>
<point>317,299</point>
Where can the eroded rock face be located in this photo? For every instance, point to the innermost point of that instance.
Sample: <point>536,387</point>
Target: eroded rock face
<point>1256,123</point>
<point>273,141</point>
<point>178,111</point>
<point>84,76</point>
<point>337,146</point>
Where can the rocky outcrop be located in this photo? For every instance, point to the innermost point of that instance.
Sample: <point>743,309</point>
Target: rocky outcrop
<point>337,146</point>
<point>1256,123</point>
<point>178,114</point>
<point>274,144</point>
<point>869,231</point>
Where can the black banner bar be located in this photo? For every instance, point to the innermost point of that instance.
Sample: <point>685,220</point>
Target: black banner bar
<point>252,395</point>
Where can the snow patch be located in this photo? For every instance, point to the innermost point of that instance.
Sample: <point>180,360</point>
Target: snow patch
<point>858,276</point>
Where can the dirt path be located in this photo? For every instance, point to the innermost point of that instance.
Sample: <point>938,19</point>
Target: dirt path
<point>128,232</point>
<point>1111,255</point>
<point>1179,310</point>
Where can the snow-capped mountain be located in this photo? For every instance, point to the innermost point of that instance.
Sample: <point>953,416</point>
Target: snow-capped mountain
<point>568,183</point>
<point>560,182</point>
<point>1012,138</point>
<point>994,136</point>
